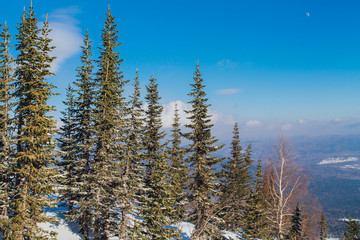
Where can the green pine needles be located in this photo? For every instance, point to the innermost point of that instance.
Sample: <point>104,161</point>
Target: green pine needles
<point>203,187</point>
<point>157,201</point>
<point>106,178</point>
<point>33,176</point>
<point>6,126</point>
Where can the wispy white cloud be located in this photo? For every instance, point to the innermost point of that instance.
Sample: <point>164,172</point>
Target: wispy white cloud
<point>66,35</point>
<point>302,121</point>
<point>253,123</point>
<point>338,120</point>
<point>217,117</point>
<point>226,63</point>
<point>222,118</point>
<point>229,91</point>
<point>168,113</point>
<point>286,126</point>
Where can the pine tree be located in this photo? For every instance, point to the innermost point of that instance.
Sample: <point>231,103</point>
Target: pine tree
<point>6,124</point>
<point>255,215</point>
<point>111,110</point>
<point>236,185</point>
<point>353,230</point>
<point>203,187</point>
<point>178,170</point>
<point>295,224</point>
<point>133,168</point>
<point>323,227</point>
<point>78,177</point>
<point>153,135</point>
<point>157,202</point>
<point>33,175</point>
<point>67,145</point>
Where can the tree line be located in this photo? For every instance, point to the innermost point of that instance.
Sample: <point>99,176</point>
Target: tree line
<point>116,172</point>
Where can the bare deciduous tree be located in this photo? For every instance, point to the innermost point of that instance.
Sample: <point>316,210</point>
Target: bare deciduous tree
<point>287,185</point>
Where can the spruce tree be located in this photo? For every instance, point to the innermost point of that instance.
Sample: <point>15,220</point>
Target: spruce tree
<point>157,202</point>
<point>178,170</point>
<point>203,188</point>
<point>67,145</point>
<point>133,168</point>
<point>295,224</point>
<point>352,230</point>
<point>33,175</point>
<point>236,185</point>
<point>323,227</point>
<point>6,124</point>
<point>111,110</point>
<point>78,177</point>
<point>255,223</point>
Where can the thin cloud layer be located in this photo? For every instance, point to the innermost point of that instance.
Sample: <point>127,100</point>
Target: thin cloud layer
<point>66,35</point>
<point>217,117</point>
<point>168,113</point>
<point>257,128</point>
<point>253,123</point>
<point>302,121</point>
<point>226,63</point>
<point>229,91</point>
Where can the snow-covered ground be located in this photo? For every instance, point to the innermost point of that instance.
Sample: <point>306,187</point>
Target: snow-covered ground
<point>353,166</point>
<point>346,219</point>
<point>65,230</point>
<point>338,160</point>
<point>69,231</point>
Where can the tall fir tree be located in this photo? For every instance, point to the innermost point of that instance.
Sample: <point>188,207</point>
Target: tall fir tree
<point>255,223</point>
<point>236,185</point>
<point>133,168</point>
<point>178,170</point>
<point>352,229</point>
<point>153,135</point>
<point>157,202</point>
<point>323,227</point>
<point>6,124</point>
<point>68,149</point>
<point>78,177</point>
<point>203,188</point>
<point>33,175</point>
<point>111,110</point>
<point>295,224</point>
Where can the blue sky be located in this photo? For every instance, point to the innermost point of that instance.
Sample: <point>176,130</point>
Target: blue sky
<point>270,65</point>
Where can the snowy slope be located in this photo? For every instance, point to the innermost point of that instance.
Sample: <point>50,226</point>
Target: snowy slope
<point>69,231</point>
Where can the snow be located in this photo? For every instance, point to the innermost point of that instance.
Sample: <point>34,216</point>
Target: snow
<point>186,229</point>
<point>231,235</point>
<point>338,160</point>
<point>346,219</point>
<point>67,231</point>
<point>353,166</point>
